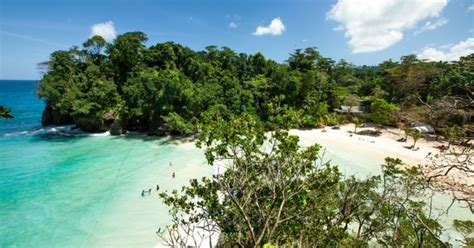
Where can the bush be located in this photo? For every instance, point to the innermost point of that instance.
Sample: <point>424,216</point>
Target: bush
<point>176,123</point>
<point>382,112</point>
<point>332,119</point>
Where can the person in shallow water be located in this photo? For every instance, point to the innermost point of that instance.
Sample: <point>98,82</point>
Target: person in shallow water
<point>174,175</point>
<point>157,187</point>
<point>143,193</point>
<point>149,191</point>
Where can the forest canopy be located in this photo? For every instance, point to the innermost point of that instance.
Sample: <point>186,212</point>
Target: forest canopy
<point>166,88</point>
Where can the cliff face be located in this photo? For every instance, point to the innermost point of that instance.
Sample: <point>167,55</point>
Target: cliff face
<point>117,128</point>
<point>54,117</point>
<point>105,123</point>
<point>92,125</point>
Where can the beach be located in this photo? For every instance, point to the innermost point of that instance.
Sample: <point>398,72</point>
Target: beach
<point>380,147</point>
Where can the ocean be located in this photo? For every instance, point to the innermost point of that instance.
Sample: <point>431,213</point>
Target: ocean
<point>63,188</point>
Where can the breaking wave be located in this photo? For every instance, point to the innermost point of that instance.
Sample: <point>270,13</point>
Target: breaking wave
<point>67,130</point>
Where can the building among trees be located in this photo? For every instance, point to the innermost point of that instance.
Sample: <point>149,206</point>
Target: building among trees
<point>350,109</point>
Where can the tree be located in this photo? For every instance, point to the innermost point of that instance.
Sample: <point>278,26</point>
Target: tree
<point>5,113</point>
<point>145,84</point>
<point>351,101</point>
<point>95,45</point>
<point>381,112</point>
<point>174,122</point>
<point>272,191</point>
<point>454,134</point>
<point>415,135</point>
<point>452,171</point>
<point>262,194</point>
<point>407,131</point>
<point>410,80</point>
<point>466,228</point>
<point>126,53</point>
<point>356,122</point>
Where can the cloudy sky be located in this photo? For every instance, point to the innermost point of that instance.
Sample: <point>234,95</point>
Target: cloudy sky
<point>360,31</point>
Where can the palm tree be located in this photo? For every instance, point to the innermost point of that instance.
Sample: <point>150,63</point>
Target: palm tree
<point>356,122</point>
<point>407,131</point>
<point>416,135</point>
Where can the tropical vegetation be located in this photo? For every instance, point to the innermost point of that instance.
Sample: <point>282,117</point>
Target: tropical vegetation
<point>166,88</point>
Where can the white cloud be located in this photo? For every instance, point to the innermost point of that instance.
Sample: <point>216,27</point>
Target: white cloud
<point>276,27</point>
<point>446,46</point>
<point>338,28</point>
<point>471,8</point>
<point>374,25</point>
<point>463,48</point>
<point>432,26</point>
<point>106,30</point>
<point>233,25</point>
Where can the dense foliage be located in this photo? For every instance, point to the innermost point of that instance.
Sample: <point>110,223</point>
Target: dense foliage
<point>167,87</point>
<point>272,191</point>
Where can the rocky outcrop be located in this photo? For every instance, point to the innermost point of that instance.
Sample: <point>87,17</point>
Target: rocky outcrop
<point>156,128</point>
<point>91,125</point>
<point>117,128</point>
<point>54,117</point>
<point>95,124</point>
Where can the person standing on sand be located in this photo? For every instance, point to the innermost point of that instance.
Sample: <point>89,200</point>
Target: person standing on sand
<point>157,187</point>
<point>149,191</point>
<point>174,175</point>
<point>143,193</point>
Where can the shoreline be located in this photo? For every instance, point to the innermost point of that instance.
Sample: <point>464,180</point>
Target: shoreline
<point>386,144</point>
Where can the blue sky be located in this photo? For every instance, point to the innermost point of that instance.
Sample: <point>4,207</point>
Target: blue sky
<point>362,32</point>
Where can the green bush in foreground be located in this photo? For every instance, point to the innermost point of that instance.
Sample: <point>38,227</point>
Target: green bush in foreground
<point>273,192</point>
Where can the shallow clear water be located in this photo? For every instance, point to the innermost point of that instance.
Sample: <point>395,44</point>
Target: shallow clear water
<point>60,191</point>
<point>84,191</point>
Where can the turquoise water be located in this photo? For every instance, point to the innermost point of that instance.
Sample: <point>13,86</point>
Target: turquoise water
<point>81,191</point>
<point>64,190</point>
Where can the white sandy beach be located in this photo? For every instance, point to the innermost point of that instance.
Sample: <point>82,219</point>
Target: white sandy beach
<point>385,145</point>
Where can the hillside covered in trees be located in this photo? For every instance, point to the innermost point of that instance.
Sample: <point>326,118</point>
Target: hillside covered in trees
<point>166,88</point>
<point>284,196</point>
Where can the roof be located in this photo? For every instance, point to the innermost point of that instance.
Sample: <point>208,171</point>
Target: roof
<point>350,109</point>
<point>422,127</point>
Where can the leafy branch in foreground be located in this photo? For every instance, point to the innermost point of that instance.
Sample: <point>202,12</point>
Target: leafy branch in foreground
<point>453,171</point>
<point>272,191</point>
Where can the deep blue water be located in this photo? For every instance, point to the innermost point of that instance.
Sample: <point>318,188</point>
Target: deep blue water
<point>20,97</point>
